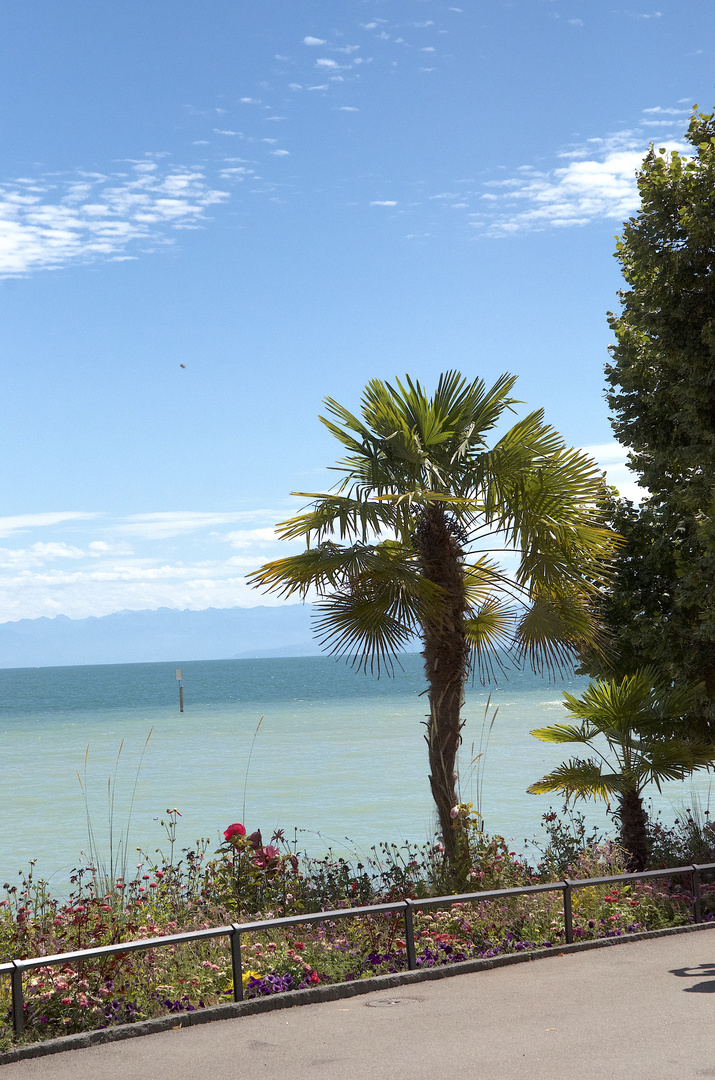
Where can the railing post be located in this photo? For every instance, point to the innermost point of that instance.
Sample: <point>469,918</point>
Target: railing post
<point>236,969</point>
<point>410,936</point>
<point>568,912</point>
<point>697,913</point>
<point>18,1002</point>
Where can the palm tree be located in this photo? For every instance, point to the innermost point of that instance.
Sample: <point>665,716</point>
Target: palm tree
<point>403,546</point>
<point>638,723</point>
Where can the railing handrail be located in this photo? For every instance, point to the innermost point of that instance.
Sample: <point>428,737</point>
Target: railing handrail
<point>15,968</point>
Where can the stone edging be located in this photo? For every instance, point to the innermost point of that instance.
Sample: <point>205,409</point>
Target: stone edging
<point>331,992</point>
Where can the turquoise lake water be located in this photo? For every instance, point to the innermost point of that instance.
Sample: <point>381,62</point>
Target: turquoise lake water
<point>340,756</point>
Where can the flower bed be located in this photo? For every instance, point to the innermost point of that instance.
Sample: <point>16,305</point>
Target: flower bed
<point>249,880</point>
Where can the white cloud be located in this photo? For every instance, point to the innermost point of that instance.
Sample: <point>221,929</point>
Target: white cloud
<point>250,101</point>
<point>98,216</point>
<point>23,522</point>
<point>251,538</point>
<point>235,172</point>
<point>280,153</point>
<point>598,183</point>
<point>49,578</point>
<point>168,523</point>
<point>325,62</point>
<point>667,112</point>
<point>313,41</point>
<point>38,555</point>
<point>383,202</point>
<point>611,457</point>
<point>347,108</point>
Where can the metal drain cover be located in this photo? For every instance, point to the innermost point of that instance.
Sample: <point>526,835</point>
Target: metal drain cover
<point>383,1003</point>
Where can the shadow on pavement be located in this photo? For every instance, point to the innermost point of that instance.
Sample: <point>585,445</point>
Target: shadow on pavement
<point>693,973</point>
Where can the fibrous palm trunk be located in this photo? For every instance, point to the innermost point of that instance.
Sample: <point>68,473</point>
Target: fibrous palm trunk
<point>446,656</point>
<point>634,836</point>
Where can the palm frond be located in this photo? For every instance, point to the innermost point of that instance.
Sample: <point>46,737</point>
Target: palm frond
<point>581,780</point>
<point>565,733</point>
<point>551,630</point>
<point>331,515</point>
<point>489,630</point>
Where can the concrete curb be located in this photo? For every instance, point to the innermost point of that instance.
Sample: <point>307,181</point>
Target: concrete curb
<point>333,992</point>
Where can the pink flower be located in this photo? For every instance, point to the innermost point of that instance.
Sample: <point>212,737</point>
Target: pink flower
<point>266,858</point>
<point>66,1001</point>
<point>454,812</point>
<point>237,829</point>
<point>255,839</point>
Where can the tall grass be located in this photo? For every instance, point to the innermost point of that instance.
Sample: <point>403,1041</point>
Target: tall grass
<point>110,866</point>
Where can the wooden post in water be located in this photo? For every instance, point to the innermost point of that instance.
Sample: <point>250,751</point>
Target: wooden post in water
<point>180,676</point>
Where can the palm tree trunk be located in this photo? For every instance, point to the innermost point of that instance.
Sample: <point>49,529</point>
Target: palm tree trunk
<point>446,656</point>
<point>634,837</point>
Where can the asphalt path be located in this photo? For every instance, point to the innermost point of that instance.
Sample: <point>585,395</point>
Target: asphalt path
<point>637,1011</point>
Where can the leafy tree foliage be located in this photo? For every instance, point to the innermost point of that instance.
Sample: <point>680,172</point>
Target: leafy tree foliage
<point>407,542</point>
<point>629,728</point>
<point>661,606</point>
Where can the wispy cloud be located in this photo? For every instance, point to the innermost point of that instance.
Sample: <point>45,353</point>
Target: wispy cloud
<point>23,522</point>
<point>384,202</point>
<point>48,222</point>
<point>168,523</point>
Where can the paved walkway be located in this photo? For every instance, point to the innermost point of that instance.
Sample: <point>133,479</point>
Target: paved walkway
<point>637,1011</point>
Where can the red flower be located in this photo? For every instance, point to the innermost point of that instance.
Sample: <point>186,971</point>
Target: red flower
<point>315,978</point>
<point>234,830</point>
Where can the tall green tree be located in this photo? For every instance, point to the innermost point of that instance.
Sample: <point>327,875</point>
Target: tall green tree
<point>632,729</point>
<point>405,546</point>
<point>661,603</point>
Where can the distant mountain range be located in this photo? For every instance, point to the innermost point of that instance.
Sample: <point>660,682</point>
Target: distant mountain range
<point>135,637</point>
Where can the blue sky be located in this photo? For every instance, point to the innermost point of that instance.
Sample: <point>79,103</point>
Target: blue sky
<point>290,199</point>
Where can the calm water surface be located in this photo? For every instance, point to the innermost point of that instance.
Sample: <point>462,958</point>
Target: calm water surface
<point>340,756</point>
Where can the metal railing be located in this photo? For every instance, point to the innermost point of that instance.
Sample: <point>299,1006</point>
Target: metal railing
<point>16,968</point>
